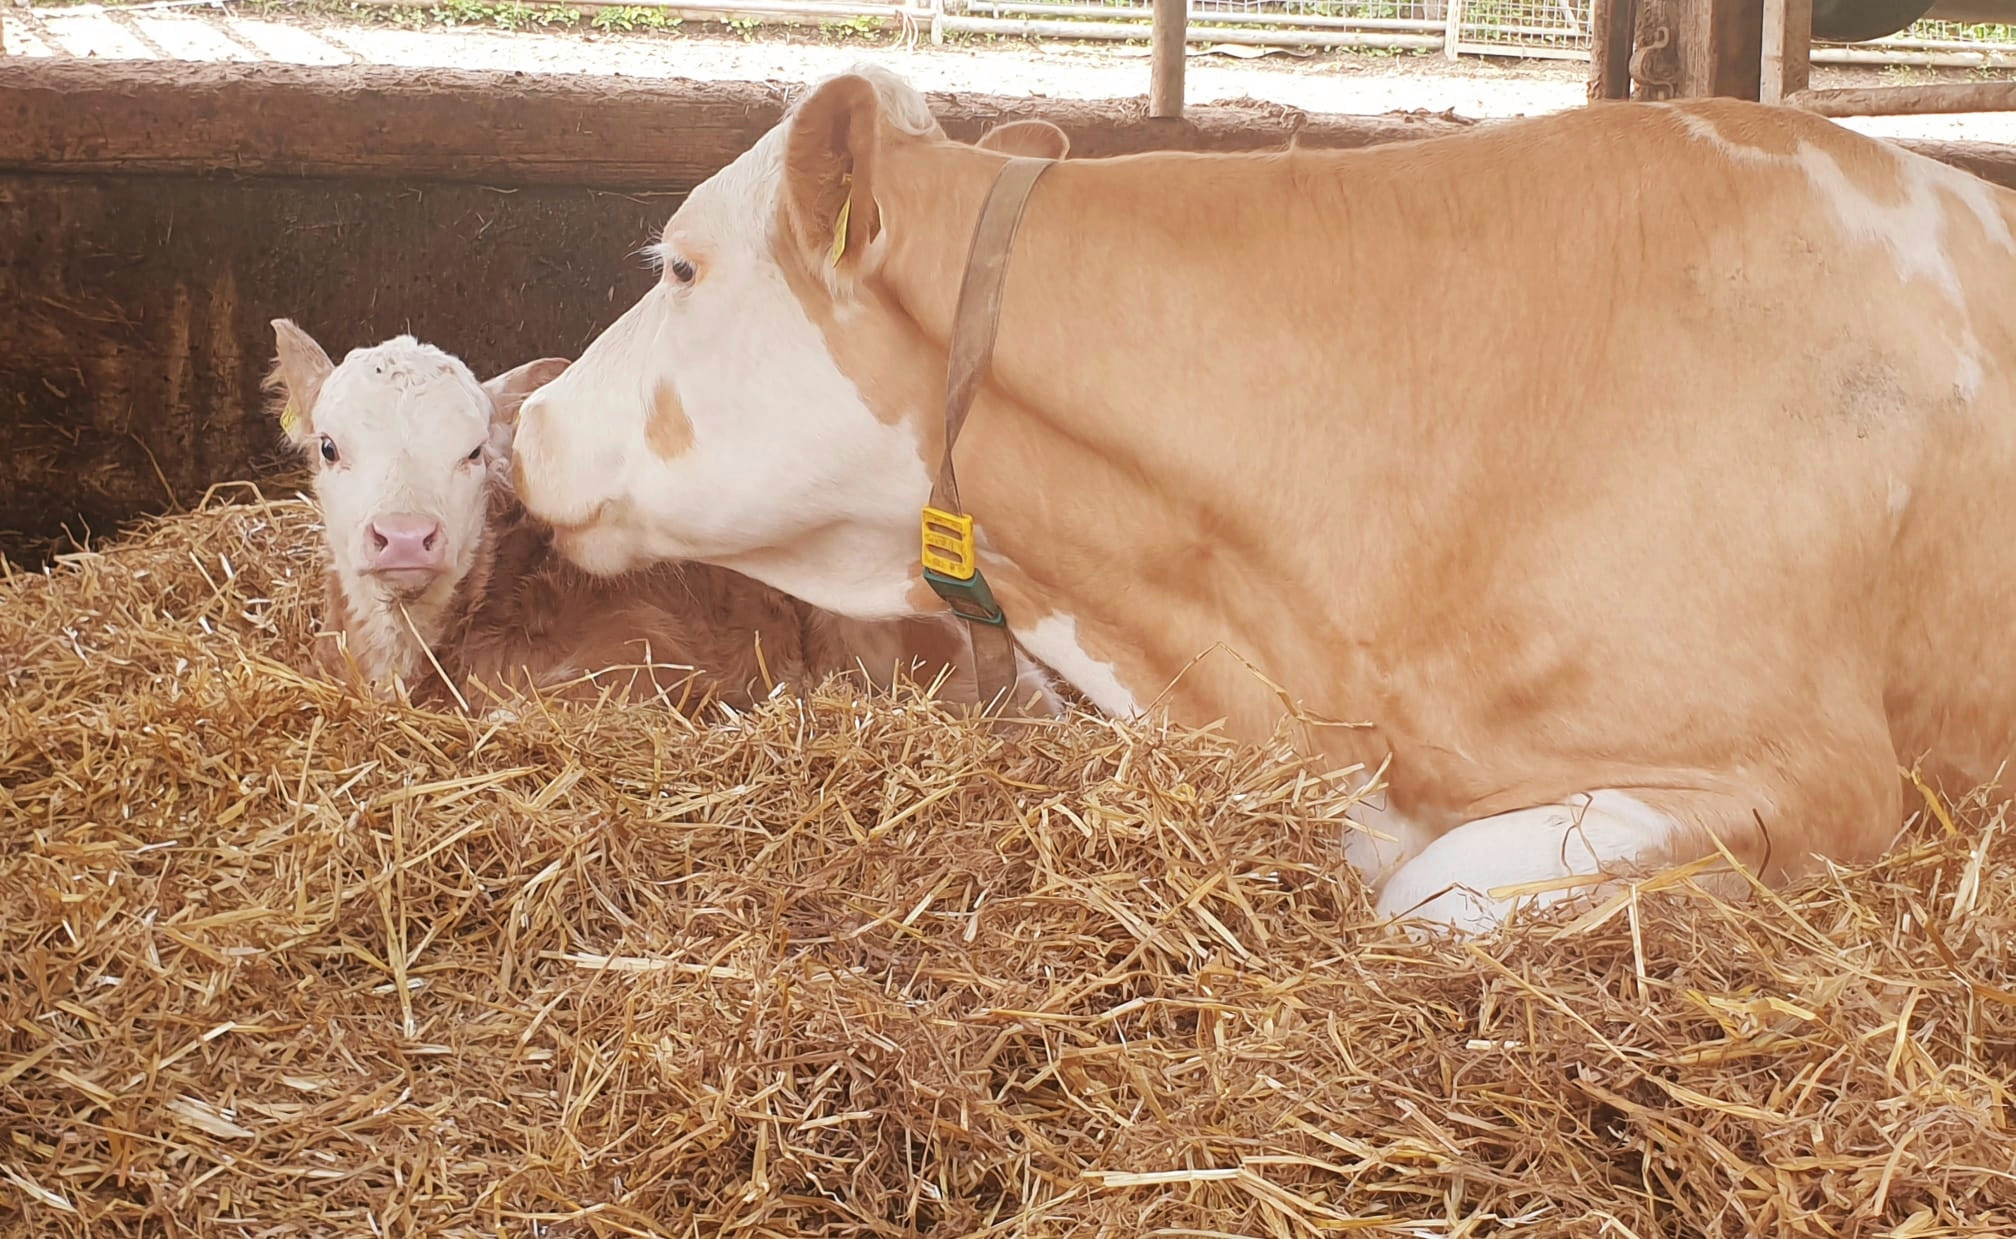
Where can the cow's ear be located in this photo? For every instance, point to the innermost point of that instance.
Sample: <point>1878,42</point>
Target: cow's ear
<point>299,368</point>
<point>829,174</point>
<point>1038,139</point>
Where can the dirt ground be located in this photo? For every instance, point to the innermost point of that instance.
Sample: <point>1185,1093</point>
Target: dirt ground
<point>1337,82</point>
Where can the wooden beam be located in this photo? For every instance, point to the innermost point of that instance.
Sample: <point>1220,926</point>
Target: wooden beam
<point>134,333</point>
<point>1941,97</point>
<point>1172,35</point>
<point>1788,44</point>
<point>1730,60</point>
<point>1611,26</point>
<point>1711,47</point>
<point>385,123</point>
<point>380,122</point>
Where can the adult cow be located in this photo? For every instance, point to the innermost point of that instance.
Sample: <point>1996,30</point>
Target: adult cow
<point>1639,474</point>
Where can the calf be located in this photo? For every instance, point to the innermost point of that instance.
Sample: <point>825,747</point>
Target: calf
<point>1634,478</point>
<point>437,575</point>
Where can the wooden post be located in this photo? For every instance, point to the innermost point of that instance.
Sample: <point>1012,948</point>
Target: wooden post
<point>1788,40</point>
<point>1727,56</point>
<point>1927,100</point>
<point>1717,45</point>
<point>1452,28</point>
<point>1172,33</point>
<point>1612,23</point>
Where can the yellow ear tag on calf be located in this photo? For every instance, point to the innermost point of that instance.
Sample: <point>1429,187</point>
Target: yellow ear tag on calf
<point>290,417</point>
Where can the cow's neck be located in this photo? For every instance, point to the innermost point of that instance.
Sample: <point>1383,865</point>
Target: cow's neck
<point>1117,584</point>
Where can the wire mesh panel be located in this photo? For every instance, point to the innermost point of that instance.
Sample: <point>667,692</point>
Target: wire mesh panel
<point>1371,13</point>
<point>1525,27</point>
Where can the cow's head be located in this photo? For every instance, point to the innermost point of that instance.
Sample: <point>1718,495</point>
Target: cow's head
<point>405,445</point>
<point>769,404</point>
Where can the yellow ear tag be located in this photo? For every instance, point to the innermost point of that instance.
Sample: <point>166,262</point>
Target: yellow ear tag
<point>840,232</point>
<point>290,417</point>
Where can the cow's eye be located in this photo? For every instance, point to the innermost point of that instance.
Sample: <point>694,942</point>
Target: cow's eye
<point>328,449</point>
<point>475,454</point>
<point>681,269</point>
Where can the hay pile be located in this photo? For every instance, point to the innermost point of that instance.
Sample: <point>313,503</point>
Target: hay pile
<point>278,961</point>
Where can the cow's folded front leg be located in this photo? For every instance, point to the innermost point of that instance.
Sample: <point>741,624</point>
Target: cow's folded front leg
<point>1467,881</point>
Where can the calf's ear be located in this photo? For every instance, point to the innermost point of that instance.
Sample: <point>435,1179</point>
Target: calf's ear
<point>299,368</point>
<point>1038,139</point>
<point>508,390</point>
<point>829,175</point>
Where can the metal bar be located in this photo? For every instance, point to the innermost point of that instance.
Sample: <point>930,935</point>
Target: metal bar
<point>768,8</point>
<point>1198,17</point>
<point>1901,43</point>
<point>1999,59</point>
<point>1528,51</point>
<point>1491,36</point>
<point>1534,32</point>
<point>1030,29</point>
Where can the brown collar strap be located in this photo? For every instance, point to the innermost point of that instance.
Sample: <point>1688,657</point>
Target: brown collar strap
<point>951,560</point>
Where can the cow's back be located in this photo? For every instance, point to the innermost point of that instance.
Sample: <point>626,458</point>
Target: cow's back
<point>1684,419</point>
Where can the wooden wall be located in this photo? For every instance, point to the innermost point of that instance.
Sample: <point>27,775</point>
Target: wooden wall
<point>154,217</point>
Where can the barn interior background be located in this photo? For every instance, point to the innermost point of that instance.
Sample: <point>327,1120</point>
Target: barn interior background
<point>153,220</point>
<point>277,960</point>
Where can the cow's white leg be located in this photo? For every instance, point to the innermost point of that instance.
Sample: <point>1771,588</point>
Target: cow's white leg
<point>1378,841</point>
<point>1448,884</point>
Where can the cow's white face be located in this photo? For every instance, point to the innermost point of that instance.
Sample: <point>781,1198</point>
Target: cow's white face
<point>405,444</point>
<point>712,421</point>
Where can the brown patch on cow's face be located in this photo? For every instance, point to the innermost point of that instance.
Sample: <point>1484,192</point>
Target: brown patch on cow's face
<point>670,431</point>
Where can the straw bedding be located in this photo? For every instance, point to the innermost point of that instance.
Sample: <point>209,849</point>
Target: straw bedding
<point>277,960</point>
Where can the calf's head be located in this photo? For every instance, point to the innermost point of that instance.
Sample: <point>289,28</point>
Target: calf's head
<point>406,446</point>
<point>768,405</point>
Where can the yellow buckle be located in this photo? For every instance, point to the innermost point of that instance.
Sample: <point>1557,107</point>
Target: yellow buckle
<point>948,544</point>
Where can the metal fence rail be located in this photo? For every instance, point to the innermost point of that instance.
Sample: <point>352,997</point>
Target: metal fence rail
<point>1557,29</point>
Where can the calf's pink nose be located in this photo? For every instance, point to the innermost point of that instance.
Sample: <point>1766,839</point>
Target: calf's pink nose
<point>402,540</point>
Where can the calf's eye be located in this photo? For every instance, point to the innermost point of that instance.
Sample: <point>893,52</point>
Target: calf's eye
<point>475,454</point>
<point>681,270</point>
<point>328,449</point>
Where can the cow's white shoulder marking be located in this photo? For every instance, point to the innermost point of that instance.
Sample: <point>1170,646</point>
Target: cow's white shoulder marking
<point>1912,229</point>
<point>1053,640</point>
<point>1702,129</point>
